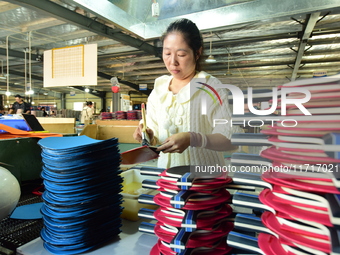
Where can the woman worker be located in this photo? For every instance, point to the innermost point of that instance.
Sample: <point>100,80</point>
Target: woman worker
<point>87,112</point>
<point>174,119</point>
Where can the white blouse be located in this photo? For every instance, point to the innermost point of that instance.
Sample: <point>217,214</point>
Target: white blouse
<point>168,114</point>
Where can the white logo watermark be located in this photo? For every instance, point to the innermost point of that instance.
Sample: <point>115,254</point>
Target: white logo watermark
<point>238,105</point>
<point>239,102</point>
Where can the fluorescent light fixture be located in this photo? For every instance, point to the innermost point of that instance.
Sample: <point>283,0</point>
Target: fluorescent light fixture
<point>29,92</point>
<point>87,90</point>
<point>210,59</point>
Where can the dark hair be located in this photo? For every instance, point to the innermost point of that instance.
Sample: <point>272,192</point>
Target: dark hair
<point>88,103</point>
<point>191,35</point>
<point>17,95</point>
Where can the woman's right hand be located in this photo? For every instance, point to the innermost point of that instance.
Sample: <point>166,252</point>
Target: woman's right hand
<point>137,135</point>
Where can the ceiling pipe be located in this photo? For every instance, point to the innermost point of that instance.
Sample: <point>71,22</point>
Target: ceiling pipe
<point>29,63</point>
<point>25,63</point>
<point>62,13</point>
<point>7,61</point>
<point>2,70</point>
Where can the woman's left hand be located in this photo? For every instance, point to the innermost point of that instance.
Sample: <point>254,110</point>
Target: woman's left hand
<point>176,143</point>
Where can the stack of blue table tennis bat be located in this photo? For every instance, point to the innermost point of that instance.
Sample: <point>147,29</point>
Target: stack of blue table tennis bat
<point>81,209</point>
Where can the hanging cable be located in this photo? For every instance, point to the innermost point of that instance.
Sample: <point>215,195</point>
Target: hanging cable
<point>25,51</point>
<point>30,62</point>
<point>2,68</point>
<point>7,58</point>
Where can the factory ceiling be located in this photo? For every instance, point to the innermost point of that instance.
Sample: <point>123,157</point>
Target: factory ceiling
<point>257,43</point>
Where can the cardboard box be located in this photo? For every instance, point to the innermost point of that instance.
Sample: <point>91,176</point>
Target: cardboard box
<point>106,129</point>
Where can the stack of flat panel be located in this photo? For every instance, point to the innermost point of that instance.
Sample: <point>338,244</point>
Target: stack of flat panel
<point>81,209</point>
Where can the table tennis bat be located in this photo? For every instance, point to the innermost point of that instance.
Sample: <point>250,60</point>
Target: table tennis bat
<point>309,239</point>
<point>300,131</point>
<point>220,248</point>
<point>273,153</point>
<point>259,163</point>
<point>329,201</point>
<point>300,182</point>
<point>149,170</point>
<point>196,203</point>
<point>250,222</point>
<point>253,179</point>
<point>147,227</point>
<point>299,227</point>
<point>190,198</point>
<point>138,155</point>
<point>184,176</point>
<point>244,242</point>
<point>197,186</point>
<point>258,139</point>
<point>189,219</point>
<point>179,239</point>
<point>304,213</point>
<point>272,245</point>
<point>250,201</point>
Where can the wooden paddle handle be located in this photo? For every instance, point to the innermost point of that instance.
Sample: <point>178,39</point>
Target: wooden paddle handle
<point>143,117</point>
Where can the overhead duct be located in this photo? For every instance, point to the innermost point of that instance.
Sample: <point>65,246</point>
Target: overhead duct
<point>60,12</point>
<point>135,15</point>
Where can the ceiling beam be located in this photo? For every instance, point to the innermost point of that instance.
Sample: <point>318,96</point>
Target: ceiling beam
<point>313,18</point>
<point>59,12</point>
<point>40,90</point>
<point>19,54</point>
<point>100,94</point>
<point>34,77</point>
<point>130,84</point>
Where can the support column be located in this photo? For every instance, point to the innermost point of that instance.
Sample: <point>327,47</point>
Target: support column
<point>63,101</point>
<point>115,102</point>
